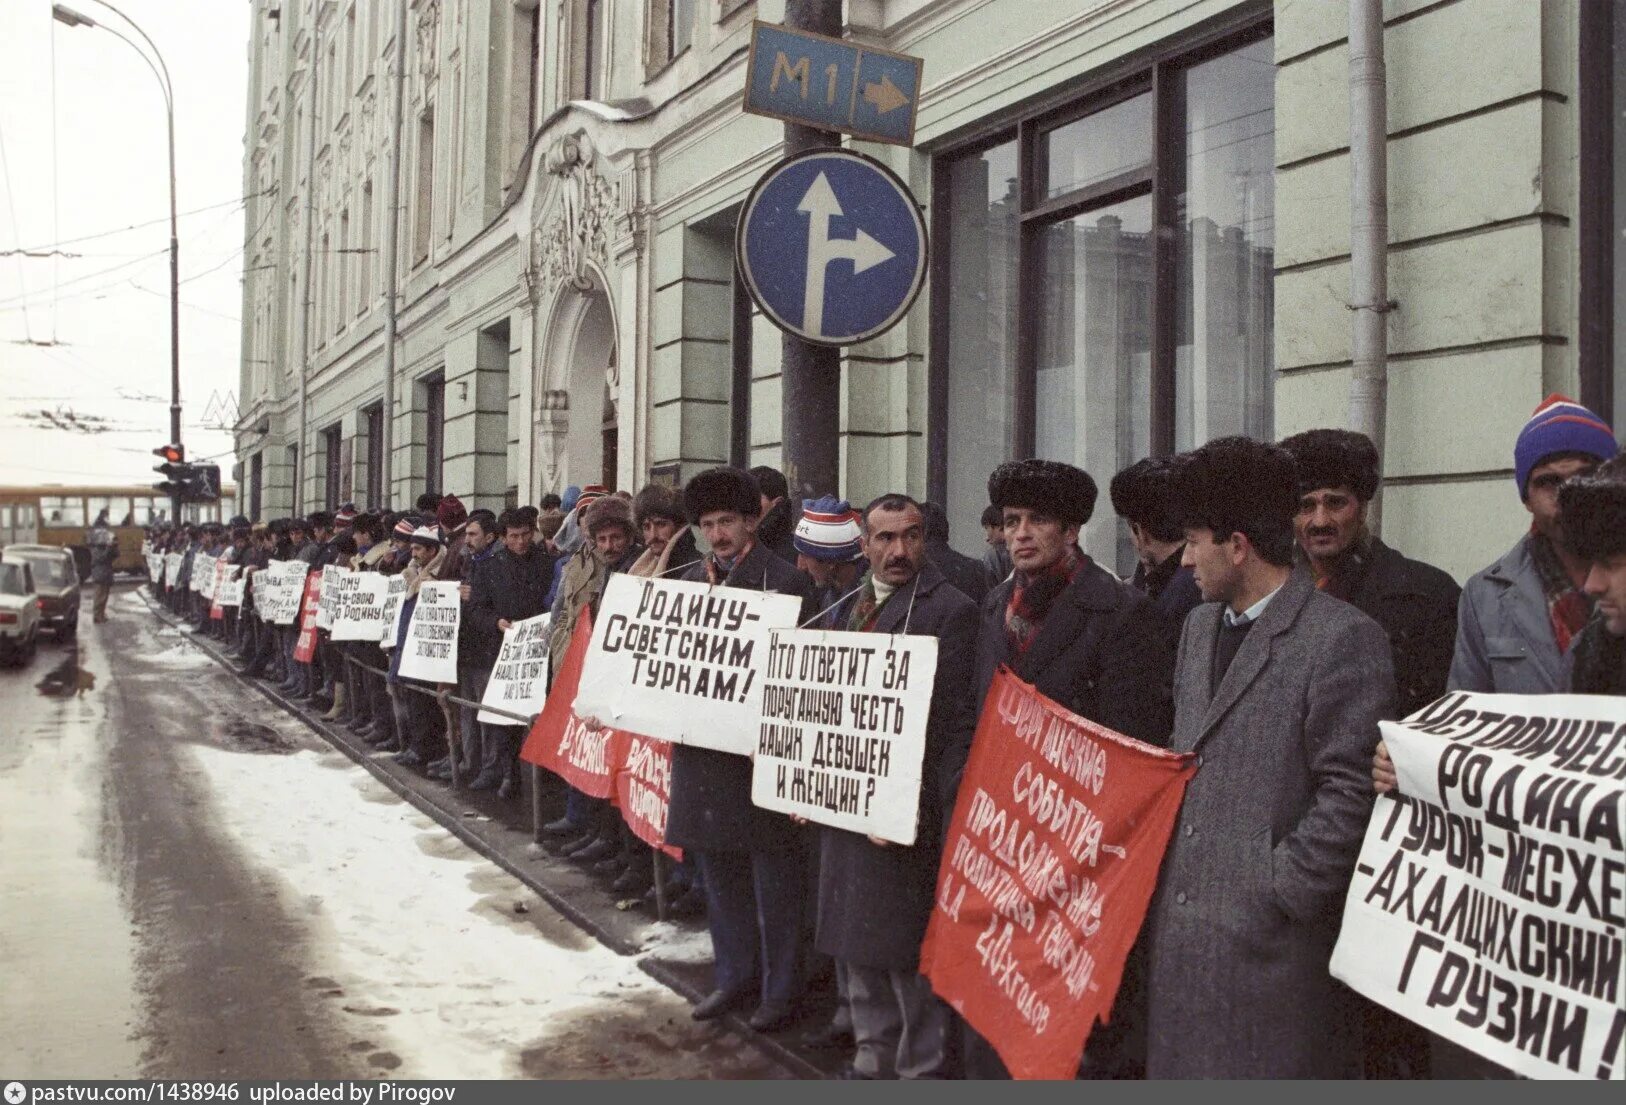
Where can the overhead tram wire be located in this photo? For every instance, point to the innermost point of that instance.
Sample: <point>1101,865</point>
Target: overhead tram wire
<point>150,222</point>
<point>11,204</point>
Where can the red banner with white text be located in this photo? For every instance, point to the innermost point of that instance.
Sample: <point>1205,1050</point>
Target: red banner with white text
<point>305,647</point>
<point>643,788</point>
<point>560,741</point>
<point>1049,864</point>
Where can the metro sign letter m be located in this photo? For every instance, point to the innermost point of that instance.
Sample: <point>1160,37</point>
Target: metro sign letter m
<point>800,72</point>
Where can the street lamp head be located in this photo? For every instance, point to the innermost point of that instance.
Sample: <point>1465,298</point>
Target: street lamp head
<point>66,15</point>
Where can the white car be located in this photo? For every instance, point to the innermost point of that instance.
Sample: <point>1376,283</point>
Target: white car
<point>19,611</point>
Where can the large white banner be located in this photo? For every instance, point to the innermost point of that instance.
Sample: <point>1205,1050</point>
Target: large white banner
<point>519,679</point>
<point>681,661</point>
<point>1489,900</point>
<point>278,589</point>
<point>327,604</point>
<point>431,638</point>
<point>359,614</point>
<point>842,729</point>
<point>394,593</point>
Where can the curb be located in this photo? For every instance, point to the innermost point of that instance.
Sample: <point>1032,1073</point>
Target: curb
<point>364,757</point>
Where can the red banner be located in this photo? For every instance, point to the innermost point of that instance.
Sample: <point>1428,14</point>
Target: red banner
<point>305,647</point>
<point>633,771</point>
<point>560,741</point>
<point>643,789</point>
<point>1050,861</point>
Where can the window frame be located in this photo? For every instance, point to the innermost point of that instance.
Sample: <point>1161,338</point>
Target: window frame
<point>1153,71</point>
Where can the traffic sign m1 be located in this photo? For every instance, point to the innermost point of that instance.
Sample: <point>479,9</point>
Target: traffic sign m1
<point>832,84</point>
<point>832,246</point>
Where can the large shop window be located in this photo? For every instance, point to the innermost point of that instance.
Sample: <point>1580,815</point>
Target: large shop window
<point>1104,280</point>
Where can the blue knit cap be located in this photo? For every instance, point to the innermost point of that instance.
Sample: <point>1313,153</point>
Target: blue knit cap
<point>567,502</point>
<point>1559,425</point>
<point>828,530</point>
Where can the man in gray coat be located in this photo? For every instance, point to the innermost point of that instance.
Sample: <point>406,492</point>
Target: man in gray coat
<point>1278,691</point>
<point>1518,618</point>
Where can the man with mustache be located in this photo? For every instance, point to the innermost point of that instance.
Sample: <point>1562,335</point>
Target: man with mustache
<point>1415,603</point>
<point>874,897</point>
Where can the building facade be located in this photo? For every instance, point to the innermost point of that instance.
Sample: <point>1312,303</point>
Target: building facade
<point>1140,214</point>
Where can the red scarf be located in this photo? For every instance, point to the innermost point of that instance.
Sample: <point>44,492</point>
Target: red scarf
<point>1032,596</point>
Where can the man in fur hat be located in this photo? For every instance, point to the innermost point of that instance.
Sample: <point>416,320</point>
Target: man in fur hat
<point>753,862</point>
<point>1082,637</point>
<point>1415,603</point>
<point>1278,694</point>
<point>1143,495</point>
<point>1593,509</point>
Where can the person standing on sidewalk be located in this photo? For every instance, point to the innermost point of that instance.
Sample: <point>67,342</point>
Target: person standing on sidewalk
<point>104,550</point>
<point>875,897</point>
<point>1593,509</point>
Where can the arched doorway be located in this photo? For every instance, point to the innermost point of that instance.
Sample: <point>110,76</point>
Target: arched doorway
<point>577,417</point>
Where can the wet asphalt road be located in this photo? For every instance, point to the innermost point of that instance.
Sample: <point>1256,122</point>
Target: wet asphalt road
<point>196,886</point>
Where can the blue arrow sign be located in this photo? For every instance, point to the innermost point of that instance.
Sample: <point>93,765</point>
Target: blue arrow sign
<point>832,246</point>
<point>832,84</point>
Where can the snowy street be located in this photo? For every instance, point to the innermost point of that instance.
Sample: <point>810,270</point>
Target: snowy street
<point>197,886</point>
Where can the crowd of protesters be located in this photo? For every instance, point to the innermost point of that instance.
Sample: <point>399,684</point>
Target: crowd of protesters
<point>1264,627</point>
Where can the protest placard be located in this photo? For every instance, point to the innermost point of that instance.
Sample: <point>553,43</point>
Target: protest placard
<point>842,729</point>
<point>394,596</point>
<point>559,740</point>
<point>643,788</point>
<point>359,606</point>
<point>327,605</point>
<point>681,660</point>
<point>431,638</point>
<point>172,568</point>
<point>519,679</point>
<point>224,574</point>
<point>229,592</point>
<point>203,574</point>
<point>155,567</point>
<point>1048,866</point>
<point>1489,899</point>
<point>305,645</point>
<point>278,589</point>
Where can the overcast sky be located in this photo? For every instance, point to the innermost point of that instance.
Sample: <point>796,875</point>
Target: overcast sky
<point>94,161</point>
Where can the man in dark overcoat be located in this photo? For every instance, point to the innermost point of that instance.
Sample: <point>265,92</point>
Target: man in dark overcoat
<point>753,861</point>
<point>875,897</point>
<point>1278,692</point>
<point>1084,639</point>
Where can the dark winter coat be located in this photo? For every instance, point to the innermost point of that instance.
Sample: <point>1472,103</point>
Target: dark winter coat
<point>1599,661</point>
<point>1416,604</point>
<point>1252,887</point>
<point>503,587</point>
<point>711,806</point>
<point>1102,652</point>
<point>873,901</point>
<point>777,530</point>
<point>1173,597</point>
<point>967,576</point>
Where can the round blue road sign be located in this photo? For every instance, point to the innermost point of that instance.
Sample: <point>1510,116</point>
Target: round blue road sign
<point>832,246</point>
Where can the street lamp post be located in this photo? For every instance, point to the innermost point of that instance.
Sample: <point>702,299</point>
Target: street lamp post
<point>71,18</point>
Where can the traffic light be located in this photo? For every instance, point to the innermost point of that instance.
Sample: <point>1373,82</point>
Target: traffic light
<point>176,477</point>
<point>175,470</point>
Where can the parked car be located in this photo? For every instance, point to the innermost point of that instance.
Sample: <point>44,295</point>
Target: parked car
<point>19,610</point>
<point>56,577</point>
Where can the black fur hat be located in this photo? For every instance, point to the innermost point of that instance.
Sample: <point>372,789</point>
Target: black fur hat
<point>1145,493</point>
<point>1592,510</point>
<point>722,489</point>
<point>1239,485</point>
<point>1335,458</point>
<point>1049,486</point>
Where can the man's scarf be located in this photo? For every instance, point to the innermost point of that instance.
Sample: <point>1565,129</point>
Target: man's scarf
<point>1033,595</point>
<point>1568,607</point>
<point>715,572</point>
